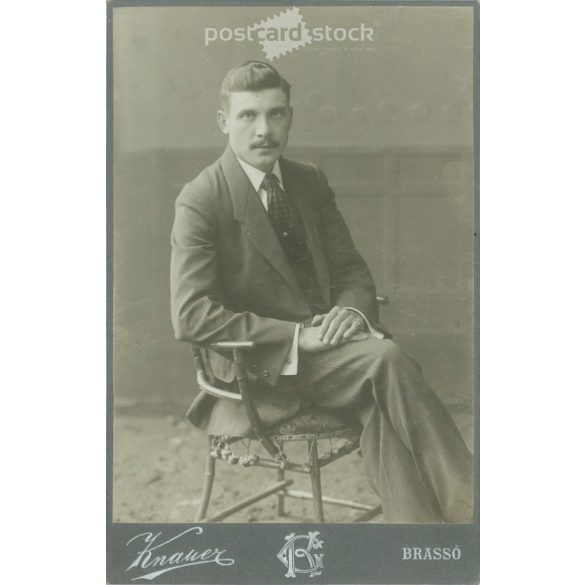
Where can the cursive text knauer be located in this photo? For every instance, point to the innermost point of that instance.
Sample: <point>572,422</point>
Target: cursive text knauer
<point>159,557</point>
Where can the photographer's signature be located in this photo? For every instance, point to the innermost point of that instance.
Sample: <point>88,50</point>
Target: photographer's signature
<point>157,556</point>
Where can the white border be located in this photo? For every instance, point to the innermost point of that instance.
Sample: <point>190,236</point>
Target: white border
<point>53,322</point>
<point>53,289</point>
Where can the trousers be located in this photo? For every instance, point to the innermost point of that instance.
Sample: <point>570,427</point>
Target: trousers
<point>414,455</point>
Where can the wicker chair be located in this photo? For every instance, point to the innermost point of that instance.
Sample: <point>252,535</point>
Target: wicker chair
<point>308,425</point>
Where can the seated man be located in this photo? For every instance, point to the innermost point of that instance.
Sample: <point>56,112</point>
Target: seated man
<point>261,253</point>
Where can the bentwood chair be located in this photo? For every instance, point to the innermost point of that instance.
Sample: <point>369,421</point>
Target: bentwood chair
<point>309,425</point>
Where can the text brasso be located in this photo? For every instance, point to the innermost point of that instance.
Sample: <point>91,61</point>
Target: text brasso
<point>416,553</point>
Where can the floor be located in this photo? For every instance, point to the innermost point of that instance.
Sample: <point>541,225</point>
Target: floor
<point>158,466</point>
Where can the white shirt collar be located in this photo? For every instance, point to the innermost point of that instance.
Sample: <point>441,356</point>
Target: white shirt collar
<point>256,176</point>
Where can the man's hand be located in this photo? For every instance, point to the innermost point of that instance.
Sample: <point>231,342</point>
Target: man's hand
<point>310,341</point>
<point>339,325</point>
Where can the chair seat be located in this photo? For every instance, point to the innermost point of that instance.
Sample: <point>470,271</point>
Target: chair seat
<point>313,423</point>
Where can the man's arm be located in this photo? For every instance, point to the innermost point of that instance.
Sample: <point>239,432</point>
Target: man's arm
<point>198,312</point>
<point>352,288</point>
<point>350,278</point>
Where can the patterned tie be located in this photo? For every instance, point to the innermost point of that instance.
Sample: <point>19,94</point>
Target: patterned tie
<point>285,219</point>
<point>280,211</point>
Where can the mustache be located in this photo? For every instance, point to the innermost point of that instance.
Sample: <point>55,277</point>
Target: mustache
<point>265,144</point>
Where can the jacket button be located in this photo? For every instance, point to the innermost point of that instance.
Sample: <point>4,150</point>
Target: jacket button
<point>266,373</point>
<point>254,368</point>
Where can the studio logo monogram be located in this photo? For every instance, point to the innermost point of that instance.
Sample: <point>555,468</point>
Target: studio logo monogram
<point>297,556</point>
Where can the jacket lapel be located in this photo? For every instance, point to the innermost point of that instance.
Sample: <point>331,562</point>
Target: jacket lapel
<point>298,192</point>
<point>249,211</point>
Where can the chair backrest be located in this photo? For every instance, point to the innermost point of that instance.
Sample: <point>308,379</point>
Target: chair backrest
<point>238,350</point>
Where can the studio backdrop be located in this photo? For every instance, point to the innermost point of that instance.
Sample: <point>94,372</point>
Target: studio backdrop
<point>389,118</point>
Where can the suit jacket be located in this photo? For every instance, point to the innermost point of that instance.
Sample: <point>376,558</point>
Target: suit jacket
<point>230,279</point>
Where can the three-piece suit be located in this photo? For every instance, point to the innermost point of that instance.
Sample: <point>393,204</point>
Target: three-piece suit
<point>230,279</point>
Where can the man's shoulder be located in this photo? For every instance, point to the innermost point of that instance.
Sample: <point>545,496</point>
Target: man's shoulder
<point>207,184</point>
<point>306,169</point>
<point>305,173</point>
<point>208,178</point>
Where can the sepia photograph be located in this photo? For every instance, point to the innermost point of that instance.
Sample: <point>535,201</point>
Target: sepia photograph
<point>293,268</point>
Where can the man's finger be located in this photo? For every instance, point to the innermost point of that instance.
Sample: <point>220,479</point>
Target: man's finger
<point>327,320</point>
<point>317,320</point>
<point>344,326</point>
<point>359,337</point>
<point>355,326</point>
<point>334,326</point>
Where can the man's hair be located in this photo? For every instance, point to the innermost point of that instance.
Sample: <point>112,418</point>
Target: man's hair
<point>252,76</point>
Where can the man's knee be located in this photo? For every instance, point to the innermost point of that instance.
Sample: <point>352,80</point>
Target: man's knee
<point>386,352</point>
<point>390,360</point>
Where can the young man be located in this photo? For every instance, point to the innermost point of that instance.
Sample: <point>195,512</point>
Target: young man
<point>260,252</point>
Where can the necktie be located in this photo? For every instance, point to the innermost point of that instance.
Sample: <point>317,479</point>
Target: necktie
<point>280,211</point>
<point>285,219</point>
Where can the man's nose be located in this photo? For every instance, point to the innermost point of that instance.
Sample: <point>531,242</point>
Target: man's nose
<point>262,126</point>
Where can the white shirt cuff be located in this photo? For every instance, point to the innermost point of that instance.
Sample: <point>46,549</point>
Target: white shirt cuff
<point>377,334</point>
<point>291,364</point>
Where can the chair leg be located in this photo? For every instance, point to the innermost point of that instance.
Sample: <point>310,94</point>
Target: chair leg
<point>280,506</point>
<point>207,486</point>
<point>316,481</point>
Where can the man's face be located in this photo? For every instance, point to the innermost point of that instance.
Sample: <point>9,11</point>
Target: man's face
<point>257,123</point>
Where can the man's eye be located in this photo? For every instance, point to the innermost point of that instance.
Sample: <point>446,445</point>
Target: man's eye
<point>277,114</point>
<point>248,115</point>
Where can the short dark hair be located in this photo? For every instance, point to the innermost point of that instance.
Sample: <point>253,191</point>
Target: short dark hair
<point>252,76</point>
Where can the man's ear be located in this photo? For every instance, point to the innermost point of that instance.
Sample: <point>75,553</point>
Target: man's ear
<point>222,121</point>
